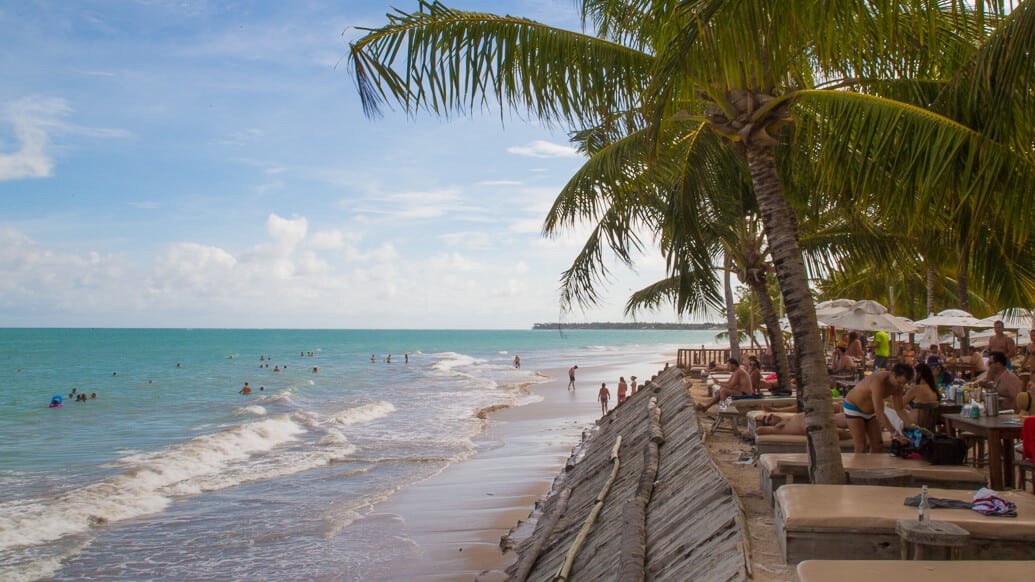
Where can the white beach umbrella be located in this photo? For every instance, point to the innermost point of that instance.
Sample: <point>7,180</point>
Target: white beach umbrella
<point>1012,318</point>
<point>931,336</point>
<point>860,320</point>
<point>951,318</point>
<point>833,307</point>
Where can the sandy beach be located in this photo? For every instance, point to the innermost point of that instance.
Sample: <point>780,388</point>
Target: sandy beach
<point>457,518</point>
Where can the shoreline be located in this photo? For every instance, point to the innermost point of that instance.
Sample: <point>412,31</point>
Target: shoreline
<point>457,518</point>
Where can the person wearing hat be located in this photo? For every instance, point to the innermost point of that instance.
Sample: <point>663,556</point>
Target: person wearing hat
<point>1024,405</point>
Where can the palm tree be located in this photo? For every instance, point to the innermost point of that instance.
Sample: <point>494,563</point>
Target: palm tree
<point>770,78</point>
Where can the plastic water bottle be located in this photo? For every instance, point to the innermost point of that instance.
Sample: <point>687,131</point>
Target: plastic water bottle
<point>924,514</point>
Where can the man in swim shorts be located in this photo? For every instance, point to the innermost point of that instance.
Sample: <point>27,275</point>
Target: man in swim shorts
<point>603,396</point>
<point>864,407</point>
<point>739,384</point>
<point>571,377</point>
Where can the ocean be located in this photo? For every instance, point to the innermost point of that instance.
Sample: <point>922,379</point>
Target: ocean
<point>170,473</point>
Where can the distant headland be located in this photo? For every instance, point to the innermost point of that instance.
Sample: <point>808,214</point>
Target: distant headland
<point>626,325</point>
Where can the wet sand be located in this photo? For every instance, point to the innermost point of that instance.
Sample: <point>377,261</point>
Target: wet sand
<point>456,518</point>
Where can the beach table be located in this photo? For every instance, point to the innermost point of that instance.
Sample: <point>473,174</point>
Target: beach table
<point>777,470</point>
<point>858,522</point>
<point>1001,431</point>
<point>918,571</point>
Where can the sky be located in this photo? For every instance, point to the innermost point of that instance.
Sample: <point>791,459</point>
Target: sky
<point>207,163</point>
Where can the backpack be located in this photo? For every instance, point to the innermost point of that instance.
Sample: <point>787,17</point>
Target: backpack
<point>942,449</point>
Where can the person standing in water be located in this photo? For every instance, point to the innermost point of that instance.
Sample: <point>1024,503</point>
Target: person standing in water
<point>571,377</point>
<point>517,361</point>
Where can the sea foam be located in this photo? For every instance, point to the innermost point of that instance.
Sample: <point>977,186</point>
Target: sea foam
<point>143,488</point>
<point>364,413</point>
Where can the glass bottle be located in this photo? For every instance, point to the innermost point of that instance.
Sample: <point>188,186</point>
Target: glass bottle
<point>924,512</point>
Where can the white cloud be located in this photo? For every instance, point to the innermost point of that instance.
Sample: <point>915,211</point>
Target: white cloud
<point>468,240</point>
<point>452,263</point>
<point>544,149</point>
<point>287,232</point>
<point>500,183</point>
<point>327,240</point>
<point>526,226</point>
<point>33,121</point>
<point>29,120</point>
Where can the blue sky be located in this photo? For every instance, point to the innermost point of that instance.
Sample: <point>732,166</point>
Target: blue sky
<point>204,163</point>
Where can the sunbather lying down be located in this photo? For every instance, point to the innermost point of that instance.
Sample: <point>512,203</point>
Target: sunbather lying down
<point>839,414</point>
<point>794,425</point>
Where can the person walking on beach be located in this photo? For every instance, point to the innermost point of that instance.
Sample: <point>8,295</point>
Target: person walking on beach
<point>517,361</point>
<point>623,389</point>
<point>603,396</point>
<point>571,377</point>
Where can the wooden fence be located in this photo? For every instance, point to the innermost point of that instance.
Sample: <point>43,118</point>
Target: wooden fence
<point>688,358</point>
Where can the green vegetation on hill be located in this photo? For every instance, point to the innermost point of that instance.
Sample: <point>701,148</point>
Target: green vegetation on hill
<point>622,325</point>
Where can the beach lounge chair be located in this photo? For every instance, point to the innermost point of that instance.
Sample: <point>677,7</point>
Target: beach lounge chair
<point>785,443</point>
<point>776,470</point>
<point>914,571</point>
<point>839,522</point>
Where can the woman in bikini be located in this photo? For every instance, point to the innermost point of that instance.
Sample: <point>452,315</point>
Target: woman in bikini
<point>864,407</point>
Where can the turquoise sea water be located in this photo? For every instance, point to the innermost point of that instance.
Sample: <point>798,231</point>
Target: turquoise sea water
<point>170,473</point>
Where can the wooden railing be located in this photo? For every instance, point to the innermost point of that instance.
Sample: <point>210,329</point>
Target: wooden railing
<point>687,358</point>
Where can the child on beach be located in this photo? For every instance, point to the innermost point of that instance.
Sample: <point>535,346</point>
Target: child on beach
<point>603,396</point>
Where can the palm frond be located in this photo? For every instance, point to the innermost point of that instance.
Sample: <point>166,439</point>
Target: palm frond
<point>449,61</point>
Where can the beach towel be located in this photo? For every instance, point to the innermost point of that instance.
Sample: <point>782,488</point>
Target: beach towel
<point>988,503</point>
<point>985,502</point>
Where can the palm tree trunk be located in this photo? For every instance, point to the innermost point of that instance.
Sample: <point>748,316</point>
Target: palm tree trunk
<point>772,324</point>
<point>731,311</point>
<point>751,324</point>
<point>963,292</point>
<point>781,229</point>
<point>930,288</point>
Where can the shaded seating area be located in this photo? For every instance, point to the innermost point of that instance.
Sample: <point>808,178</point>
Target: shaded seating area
<point>859,522</point>
<point>777,470</point>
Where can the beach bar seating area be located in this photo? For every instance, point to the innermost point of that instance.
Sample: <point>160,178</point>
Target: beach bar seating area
<point>845,522</point>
